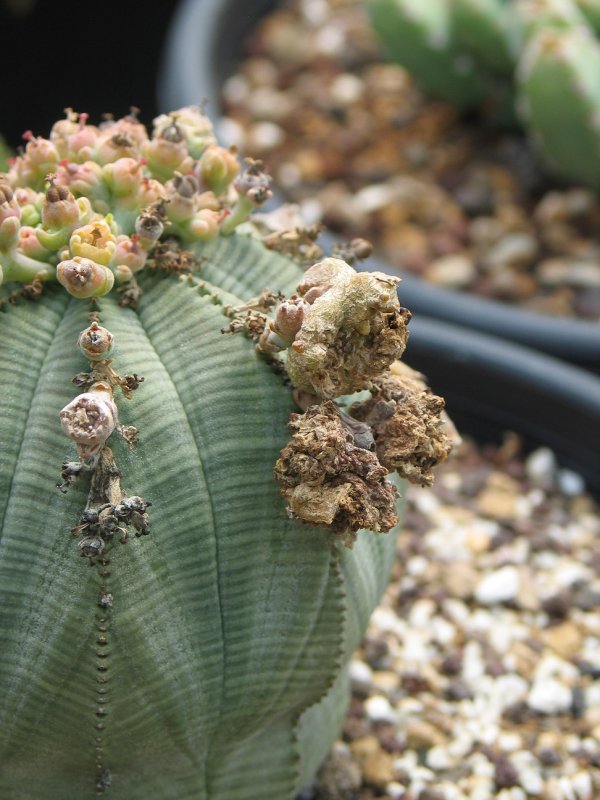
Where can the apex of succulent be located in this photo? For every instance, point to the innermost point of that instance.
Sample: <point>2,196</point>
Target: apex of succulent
<point>86,205</point>
<point>533,61</point>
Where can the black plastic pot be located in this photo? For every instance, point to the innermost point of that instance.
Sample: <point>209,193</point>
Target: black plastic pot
<point>492,386</point>
<point>205,41</point>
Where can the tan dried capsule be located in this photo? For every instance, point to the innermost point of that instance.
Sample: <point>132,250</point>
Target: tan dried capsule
<point>327,479</point>
<point>90,419</point>
<point>96,342</point>
<point>350,334</point>
<point>411,431</point>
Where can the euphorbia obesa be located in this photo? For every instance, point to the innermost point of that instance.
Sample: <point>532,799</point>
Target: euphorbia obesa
<point>206,657</point>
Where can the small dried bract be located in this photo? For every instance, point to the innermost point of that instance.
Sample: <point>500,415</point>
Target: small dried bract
<point>411,432</point>
<point>299,244</point>
<point>250,317</point>
<point>172,258</point>
<point>328,480</point>
<point>352,330</point>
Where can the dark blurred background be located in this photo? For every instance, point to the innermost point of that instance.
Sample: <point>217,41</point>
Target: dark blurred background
<point>92,56</point>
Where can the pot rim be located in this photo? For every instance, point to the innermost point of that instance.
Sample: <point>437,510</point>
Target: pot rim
<point>491,386</point>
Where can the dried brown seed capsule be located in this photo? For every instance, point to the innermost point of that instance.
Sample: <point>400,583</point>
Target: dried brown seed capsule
<point>6,193</point>
<point>411,432</point>
<point>328,480</point>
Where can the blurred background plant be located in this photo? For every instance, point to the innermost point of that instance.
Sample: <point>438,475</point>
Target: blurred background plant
<point>454,195</point>
<point>533,61</point>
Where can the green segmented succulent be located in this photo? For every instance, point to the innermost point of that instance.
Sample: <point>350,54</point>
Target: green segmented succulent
<point>539,58</point>
<point>591,11</point>
<point>419,34</point>
<point>204,658</point>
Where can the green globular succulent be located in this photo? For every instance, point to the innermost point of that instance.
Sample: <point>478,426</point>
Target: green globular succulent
<point>532,61</point>
<point>182,578</point>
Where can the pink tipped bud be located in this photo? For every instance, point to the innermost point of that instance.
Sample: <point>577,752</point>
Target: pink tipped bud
<point>62,129</point>
<point>217,168</point>
<point>82,142</point>
<point>41,151</point>
<point>26,196</point>
<point>124,176</point>
<point>96,343</point>
<point>205,224</point>
<point>151,191</point>
<point>90,419</point>
<point>83,277</point>
<point>168,153</point>
<point>82,179</point>
<point>30,245</point>
<point>130,253</point>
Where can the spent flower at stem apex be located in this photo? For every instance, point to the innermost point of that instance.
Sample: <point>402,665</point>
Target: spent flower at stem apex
<point>90,419</point>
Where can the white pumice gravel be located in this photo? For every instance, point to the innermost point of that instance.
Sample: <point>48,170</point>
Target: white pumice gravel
<point>479,676</point>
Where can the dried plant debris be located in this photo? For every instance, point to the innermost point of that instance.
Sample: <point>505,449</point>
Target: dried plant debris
<point>328,480</point>
<point>341,333</point>
<point>351,331</point>
<point>410,430</point>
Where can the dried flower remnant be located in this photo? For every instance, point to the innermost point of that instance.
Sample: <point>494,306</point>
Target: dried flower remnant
<point>412,434</point>
<point>353,329</point>
<point>328,480</point>
<point>90,419</point>
<point>96,342</point>
<point>280,333</point>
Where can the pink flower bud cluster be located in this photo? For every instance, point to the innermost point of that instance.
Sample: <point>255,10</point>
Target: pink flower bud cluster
<point>86,205</point>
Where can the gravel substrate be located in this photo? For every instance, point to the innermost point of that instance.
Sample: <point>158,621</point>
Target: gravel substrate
<point>479,676</point>
<point>351,139</point>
